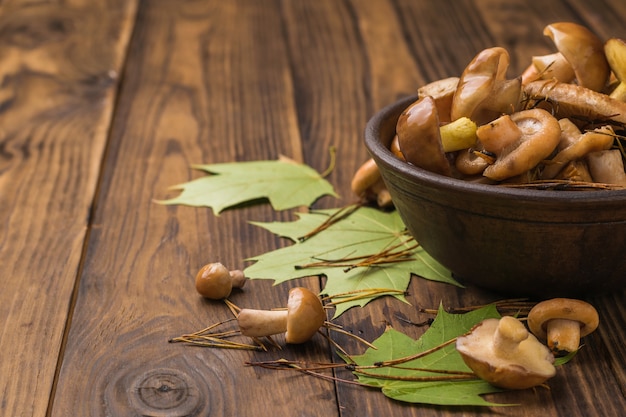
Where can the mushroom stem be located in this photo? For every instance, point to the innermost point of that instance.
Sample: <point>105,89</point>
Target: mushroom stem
<point>509,334</point>
<point>301,319</point>
<point>563,335</point>
<point>238,278</point>
<point>259,323</point>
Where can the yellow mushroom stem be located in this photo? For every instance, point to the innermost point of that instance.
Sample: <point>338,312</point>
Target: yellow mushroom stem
<point>563,335</point>
<point>457,135</point>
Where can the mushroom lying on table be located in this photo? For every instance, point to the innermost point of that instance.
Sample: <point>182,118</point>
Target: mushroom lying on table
<point>562,322</point>
<point>368,184</point>
<point>215,282</point>
<point>301,319</point>
<point>503,353</point>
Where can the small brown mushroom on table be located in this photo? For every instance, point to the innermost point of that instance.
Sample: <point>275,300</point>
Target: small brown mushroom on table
<point>215,282</point>
<point>301,319</point>
<point>562,322</point>
<point>505,354</point>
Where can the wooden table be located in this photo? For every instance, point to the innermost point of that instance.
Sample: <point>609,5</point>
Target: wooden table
<point>105,104</point>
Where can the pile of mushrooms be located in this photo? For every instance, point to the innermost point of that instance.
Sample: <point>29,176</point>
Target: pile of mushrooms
<point>506,354</point>
<point>560,120</point>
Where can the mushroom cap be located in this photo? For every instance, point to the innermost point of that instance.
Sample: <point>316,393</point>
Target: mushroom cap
<point>365,177</point>
<point>478,80</point>
<point>583,50</point>
<point>591,141</point>
<point>213,281</point>
<point>442,91</point>
<point>527,365</point>
<point>577,101</point>
<point>562,308</point>
<point>305,315</point>
<point>419,138</point>
<point>540,136</point>
<point>553,65</point>
<point>615,51</point>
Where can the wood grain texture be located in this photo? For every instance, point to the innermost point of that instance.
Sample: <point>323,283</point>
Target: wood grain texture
<point>59,69</point>
<point>96,124</point>
<point>198,89</point>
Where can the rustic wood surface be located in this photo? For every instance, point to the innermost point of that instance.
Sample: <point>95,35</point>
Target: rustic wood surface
<point>105,104</point>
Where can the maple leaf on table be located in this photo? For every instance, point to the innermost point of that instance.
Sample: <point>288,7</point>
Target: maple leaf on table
<point>392,345</point>
<point>284,183</point>
<point>365,249</point>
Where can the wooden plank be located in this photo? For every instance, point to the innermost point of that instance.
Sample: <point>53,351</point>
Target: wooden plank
<point>205,82</point>
<point>59,68</point>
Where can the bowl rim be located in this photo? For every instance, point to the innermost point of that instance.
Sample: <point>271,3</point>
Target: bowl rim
<point>382,154</point>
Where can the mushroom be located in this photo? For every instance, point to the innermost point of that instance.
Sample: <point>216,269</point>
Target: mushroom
<point>571,100</point>
<point>215,282</point>
<point>301,319</point>
<point>538,136</point>
<point>562,322</point>
<point>575,171</point>
<point>498,134</point>
<point>505,354</point>
<point>591,141</point>
<point>394,147</point>
<point>570,133</point>
<point>583,50</point>
<point>367,183</point>
<point>607,167</point>
<point>549,66</point>
<point>483,91</point>
<point>419,137</point>
<point>615,51</point>
<point>457,135</point>
<point>472,162</point>
<point>442,91</point>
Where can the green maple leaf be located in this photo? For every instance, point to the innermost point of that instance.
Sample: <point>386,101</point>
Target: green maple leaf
<point>332,252</point>
<point>285,183</point>
<point>393,345</point>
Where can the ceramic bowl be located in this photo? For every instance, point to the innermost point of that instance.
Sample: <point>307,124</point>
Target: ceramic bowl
<point>518,242</point>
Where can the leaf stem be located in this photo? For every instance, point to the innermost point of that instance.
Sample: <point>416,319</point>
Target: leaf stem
<point>337,216</point>
<point>393,362</point>
<point>384,257</point>
<point>332,151</point>
<point>448,377</point>
<point>361,294</point>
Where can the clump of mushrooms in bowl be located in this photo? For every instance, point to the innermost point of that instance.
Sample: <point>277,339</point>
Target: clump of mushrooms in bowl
<point>515,184</point>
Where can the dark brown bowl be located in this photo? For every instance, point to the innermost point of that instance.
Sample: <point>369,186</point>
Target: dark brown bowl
<point>518,242</point>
